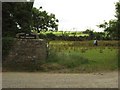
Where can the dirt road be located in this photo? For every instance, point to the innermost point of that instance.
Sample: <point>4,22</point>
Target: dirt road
<point>48,80</point>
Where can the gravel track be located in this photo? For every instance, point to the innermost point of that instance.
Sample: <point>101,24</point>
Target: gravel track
<point>50,80</point>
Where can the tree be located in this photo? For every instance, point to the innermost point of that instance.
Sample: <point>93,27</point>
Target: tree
<point>118,10</point>
<point>9,27</point>
<point>103,25</point>
<point>41,20</point>
<point>16,17</point>
<point>118,18</point>
<point>23,16</point>
<point>99,35</point>
<point>112,27</point>
<point>90,32</point>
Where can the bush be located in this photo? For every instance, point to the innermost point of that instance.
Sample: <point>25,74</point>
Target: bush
<point>68,60</point>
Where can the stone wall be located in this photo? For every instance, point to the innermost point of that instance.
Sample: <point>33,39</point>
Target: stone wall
<point>26,53</point>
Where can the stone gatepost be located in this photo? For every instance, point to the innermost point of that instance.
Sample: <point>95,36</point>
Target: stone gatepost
<point>27,52</point>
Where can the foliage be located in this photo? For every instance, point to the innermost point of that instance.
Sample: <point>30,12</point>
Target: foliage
<point>42,21</point>
<point>91,34</point>
<point>16,17</point>
<point>118,18</point>
<point>111,28</point>
<point>22,17</point>
<point>99,35</point>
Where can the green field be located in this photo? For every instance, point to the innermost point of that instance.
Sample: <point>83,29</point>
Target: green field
<point>74,56</point>
<point>66,33</point>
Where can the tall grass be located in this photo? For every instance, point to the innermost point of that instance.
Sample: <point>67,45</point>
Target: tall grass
<point>66,59</point>
<point>82,56</point>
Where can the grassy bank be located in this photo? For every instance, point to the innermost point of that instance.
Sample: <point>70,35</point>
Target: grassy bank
<point>81,57</point>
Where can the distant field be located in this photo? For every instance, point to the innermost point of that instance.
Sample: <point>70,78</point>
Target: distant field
<point>67,33</point>
<point>74,56</point>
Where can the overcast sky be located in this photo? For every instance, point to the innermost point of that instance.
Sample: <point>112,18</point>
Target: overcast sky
<point>79,15</point>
